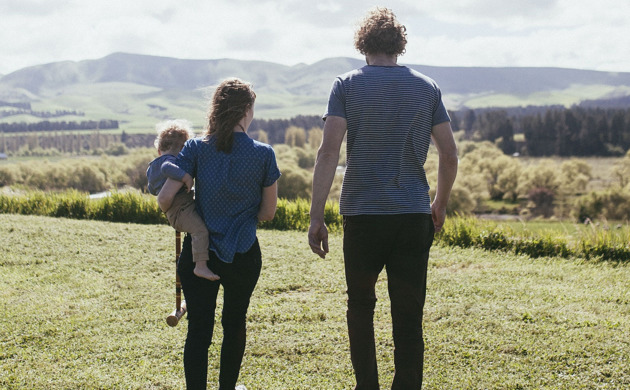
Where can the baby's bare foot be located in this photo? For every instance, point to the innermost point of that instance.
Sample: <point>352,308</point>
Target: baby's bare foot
<point>205,272</point>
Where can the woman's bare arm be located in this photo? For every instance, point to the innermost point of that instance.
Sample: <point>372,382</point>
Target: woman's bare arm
<point>268,203</point>
<point>167,193</point>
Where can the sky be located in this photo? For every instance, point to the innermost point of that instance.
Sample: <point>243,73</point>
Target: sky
<point>580,34</point>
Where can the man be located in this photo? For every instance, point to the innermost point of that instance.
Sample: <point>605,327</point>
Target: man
<point>391,113</point>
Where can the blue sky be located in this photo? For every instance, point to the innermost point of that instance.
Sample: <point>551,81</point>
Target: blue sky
<point>552,33</point>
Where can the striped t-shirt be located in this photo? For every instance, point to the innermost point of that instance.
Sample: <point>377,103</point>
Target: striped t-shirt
<point>390,111</point>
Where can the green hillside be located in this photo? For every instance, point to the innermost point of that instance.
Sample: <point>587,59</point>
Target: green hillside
<point>139,90</point>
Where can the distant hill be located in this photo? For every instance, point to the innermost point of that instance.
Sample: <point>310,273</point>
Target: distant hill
<point>139,90</point>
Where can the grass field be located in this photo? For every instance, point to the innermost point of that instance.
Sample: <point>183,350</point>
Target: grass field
<point>84,303</point>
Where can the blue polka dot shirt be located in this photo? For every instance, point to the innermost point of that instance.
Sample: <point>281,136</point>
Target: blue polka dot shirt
<point>228,189</point>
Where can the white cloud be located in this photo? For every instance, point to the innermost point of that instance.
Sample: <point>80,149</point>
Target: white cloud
<point>563,33</point>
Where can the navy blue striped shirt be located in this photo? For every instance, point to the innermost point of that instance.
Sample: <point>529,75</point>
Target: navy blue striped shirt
<point>390,111</point>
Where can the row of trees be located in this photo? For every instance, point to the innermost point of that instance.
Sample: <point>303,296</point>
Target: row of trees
<point>59,143</point>
<point>540,188</point>
<point>557,131</point>
<point>40,114</point>
<point>275,129</point>
<point>532,131</point>
<point>23,127</point>
<point>21,105</point>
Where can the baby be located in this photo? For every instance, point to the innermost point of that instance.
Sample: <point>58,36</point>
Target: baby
<point>181,215</point>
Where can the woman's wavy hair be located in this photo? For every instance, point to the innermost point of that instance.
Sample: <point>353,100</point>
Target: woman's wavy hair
<point>380,32</point>
<point>229,104</point>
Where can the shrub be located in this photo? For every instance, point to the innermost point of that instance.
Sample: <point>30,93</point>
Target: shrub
<point>458,232</point>
<point>306,157</point>
<point>128,207</point>
<point>541,247</point>
<point>461,201</point>
<point>290,215</point>
<point>542,199</point>
<point>117,149</point>
<point>294,215</point>
<point>7,177</point>
<point>88,178</point>
<point>294,183</point>
<point>72,204</point>
<point>612,204</point>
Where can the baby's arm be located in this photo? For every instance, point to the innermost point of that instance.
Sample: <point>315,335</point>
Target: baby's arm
<point>172,171</point>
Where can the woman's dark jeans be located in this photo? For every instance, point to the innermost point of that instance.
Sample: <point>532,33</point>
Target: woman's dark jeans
<point>400,244</point>
<point>238,280</point>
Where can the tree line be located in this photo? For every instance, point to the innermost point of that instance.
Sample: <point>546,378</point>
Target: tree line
<point>40,114</point>
<point>549,131</point>
<point>275,129</point>
<point>24,127</point>
<point>72,143</point>
<point>535,131</point>
<point>544,188</point>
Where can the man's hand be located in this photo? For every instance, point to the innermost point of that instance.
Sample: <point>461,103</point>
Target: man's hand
<point>438,213</point>
<point>188,182</point>
<point>318,238</point>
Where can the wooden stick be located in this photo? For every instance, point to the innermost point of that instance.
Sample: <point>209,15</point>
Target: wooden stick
<point>180,306</point>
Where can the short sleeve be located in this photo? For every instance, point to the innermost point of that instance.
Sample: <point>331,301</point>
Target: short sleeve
<point>440,115</point>
<point>170,169</point>
<point>337,100</point>
<point>273,173</point>
<point>186,158</point>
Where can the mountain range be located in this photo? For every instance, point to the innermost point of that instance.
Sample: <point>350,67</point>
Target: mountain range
<point>139,90</point>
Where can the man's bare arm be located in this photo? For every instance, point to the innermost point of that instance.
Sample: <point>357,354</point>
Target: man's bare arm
<point>323,176</point>
<point>442,135</point>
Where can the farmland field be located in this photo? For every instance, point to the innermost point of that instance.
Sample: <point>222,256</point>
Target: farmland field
<point>84,303</point>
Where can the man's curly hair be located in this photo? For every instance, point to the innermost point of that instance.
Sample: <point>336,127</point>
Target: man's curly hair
<point>380,33</point>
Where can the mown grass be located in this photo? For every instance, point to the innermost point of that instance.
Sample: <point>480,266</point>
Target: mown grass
<point>84,303</point>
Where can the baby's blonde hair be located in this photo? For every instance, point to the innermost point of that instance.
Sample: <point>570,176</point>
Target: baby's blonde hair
<point>172,134</point>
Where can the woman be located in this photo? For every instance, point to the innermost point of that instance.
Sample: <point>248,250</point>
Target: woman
<point>236,186</point>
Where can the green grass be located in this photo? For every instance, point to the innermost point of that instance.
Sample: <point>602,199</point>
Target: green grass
<point>84,303</point>
<point>130,104</point>
<point>567,97</point>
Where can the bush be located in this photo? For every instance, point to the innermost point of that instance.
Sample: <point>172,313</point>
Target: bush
<point>542,199</point>
<point>611,204</point>
<point>290,215</point>
<point>87,178</point>
<point>128,207</point>
<point>294,183</point>
<point>294,215</point>
<point>541,247</point>
<point>469,232</point>
<point>117,149</point>
<point>119,207</point>
<point>72,204</point>
<point>84,174</point>
<point>7,177</point>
